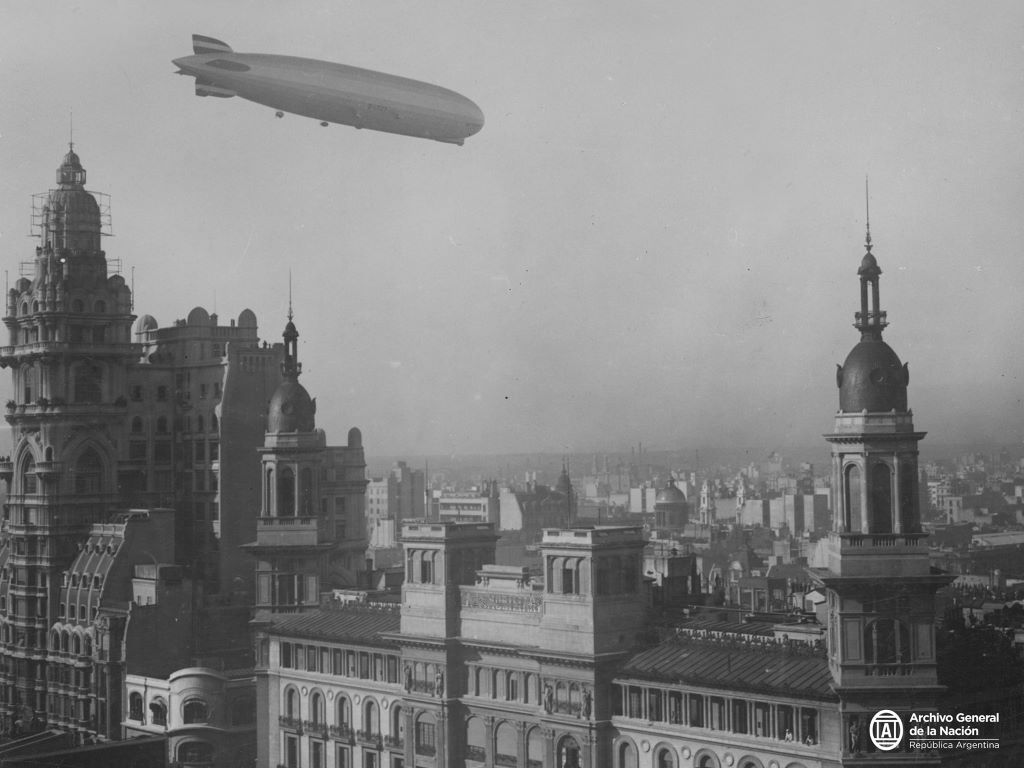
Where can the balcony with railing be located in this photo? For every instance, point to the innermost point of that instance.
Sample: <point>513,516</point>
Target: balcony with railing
<point>292,723</point>
<point>369,737</point>
<point>290,531</point>
<point>315,728</point>
<point>394,742</point>
<point>343,732</point>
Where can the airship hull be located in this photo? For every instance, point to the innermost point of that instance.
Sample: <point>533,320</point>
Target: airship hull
<point>336,93</point>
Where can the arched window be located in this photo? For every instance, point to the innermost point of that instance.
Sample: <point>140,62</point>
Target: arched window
<point>371,717</point>
<point>100,307</point>
<point>88,383</point>
<point>910,514</point>
<point>135,706</point>
<point>853,522</point>
<point>268,491</point>
<point>627,756</point>
<point>505,745</point>
<point>426,737</point>
<point>664,758</point>
<point>307,492</point>
<point>316,707</point>
<point>286,493</point>
<point>195,752</point>
<point>29,481</point>
<point>536,748</point>
<point>195,711</point>
<point>88,472</point>
<point>344,712</point>
<point>881,499</point>
<point>568,753</point>
<point>158,711</point>
<point>291,703</point>
<point>476,739</point>
<point>76,644</point>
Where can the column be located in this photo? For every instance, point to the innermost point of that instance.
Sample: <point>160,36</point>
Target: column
<point>864,515</point>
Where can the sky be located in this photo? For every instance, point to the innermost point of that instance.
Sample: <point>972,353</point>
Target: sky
<point>653,239</point>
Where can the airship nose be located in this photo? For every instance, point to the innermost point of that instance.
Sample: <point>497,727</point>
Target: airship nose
<point>182,64</point>
<point>474,117</point>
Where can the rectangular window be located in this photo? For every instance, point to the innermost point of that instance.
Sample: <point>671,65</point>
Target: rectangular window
<point>364,666</point>
<point>675,707</point>
<point>344,758</point>
<point>739,716</point>
<point>635,703</point>
<point>136,393</point>
<point>200,451</point>
<point>696,710</point>
<point>316,754</point>
<point>654,712</point>
<point>311,658</point>
<point>286,655</point>
<point>214,450</point>
<point>291,751</point>
<point>339,669</point>
<point>137,450</point>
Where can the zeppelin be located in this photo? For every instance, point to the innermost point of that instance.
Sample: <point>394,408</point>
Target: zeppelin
<point>332,93</point>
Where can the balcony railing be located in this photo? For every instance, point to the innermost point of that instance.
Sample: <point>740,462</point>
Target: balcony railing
<point>476,753</point>
<point>506,760</point>
<point>426,750</point>
<point>368,737</point>
<point>290,722</point>
<point>396,742</point>
<point>341,732</point>
<point>314,727</point>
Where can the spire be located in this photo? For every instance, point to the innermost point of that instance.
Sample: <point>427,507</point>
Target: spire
<point>870,321</point>
<point>867,216</point>
<point>290,366</point>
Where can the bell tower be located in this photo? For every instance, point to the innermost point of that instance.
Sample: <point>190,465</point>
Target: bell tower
<point>308,536</point>
<point>880,587</point>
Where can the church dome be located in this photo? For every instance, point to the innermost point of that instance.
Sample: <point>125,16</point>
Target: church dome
<point>291,408</point>
<point>670,494</point>
<point>872,379</point>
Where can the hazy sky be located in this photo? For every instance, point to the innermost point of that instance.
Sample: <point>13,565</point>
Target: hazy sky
<point>654,237</point>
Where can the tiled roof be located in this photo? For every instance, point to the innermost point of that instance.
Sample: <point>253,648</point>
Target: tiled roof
<point>354,624</point>
<point>734,666</point>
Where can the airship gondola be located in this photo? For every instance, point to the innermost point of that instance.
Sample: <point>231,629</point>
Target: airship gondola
<point>331,93</point>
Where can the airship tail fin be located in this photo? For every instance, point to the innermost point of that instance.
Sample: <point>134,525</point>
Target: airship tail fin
<point>203,44</point>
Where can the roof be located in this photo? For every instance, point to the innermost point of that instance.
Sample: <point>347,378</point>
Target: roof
<point>746,667</point>
<point>352,624</point>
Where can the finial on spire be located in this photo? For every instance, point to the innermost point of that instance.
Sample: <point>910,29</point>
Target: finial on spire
<point>867,215</point>
<point>71,129</point>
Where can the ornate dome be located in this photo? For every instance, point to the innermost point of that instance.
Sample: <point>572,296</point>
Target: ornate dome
<point>872,379</point>
<point>71,216</point>
<point>291,408</point>
<point>670,494</point>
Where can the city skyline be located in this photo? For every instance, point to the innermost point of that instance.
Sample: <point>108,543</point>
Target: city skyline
<point>653,239</point>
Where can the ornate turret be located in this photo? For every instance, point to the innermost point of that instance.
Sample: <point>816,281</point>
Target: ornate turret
<point>880,588</point>
<point>70,218</point>
<point>872,378</point>
<point>291,407</point>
